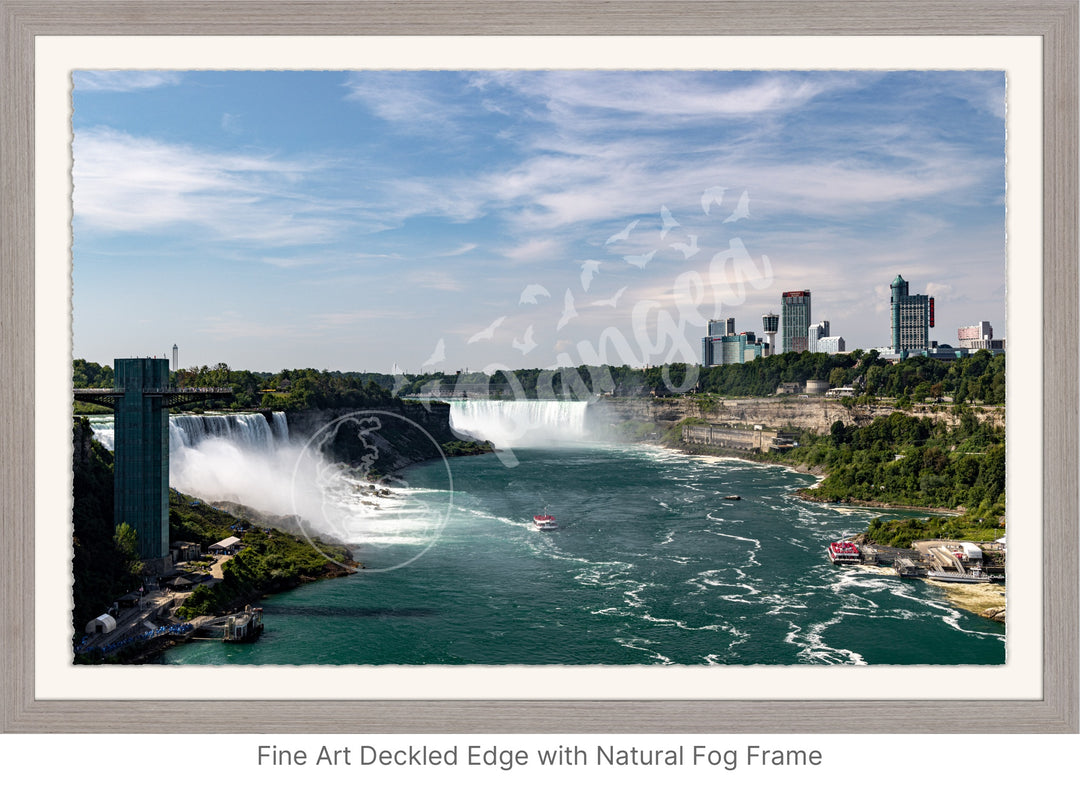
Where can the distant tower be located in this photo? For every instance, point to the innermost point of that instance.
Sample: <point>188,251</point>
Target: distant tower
<point>912,317</point>
<point>770,324</point>
<point>795,315</point>
<point>175,358</point>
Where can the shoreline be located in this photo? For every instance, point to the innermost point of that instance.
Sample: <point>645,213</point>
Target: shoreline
<point>815,471</point>
<point>860,504</point>
<point>988,603</point>
<point>731,454</point>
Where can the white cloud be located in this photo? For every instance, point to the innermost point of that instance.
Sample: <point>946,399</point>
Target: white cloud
<point>938,290</point>
<point>463,249</point>
<point>535,250</point>
<point>124,81</point>
<point>130,184</point>
<point>436,279</point>
<point>231,123</point>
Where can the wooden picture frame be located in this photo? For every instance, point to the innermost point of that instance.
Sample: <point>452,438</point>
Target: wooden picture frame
<point>1055,21</point>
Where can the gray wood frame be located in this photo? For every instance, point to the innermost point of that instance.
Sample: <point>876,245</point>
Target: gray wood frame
<point>1054,20</point>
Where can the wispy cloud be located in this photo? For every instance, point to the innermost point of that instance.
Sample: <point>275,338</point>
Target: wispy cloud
<point>436,279</point>
<point>569,94</point>
<point>463,249</point>
<point>128,184</point>
<point>534,250</point>
<point>124,81</point>
<point>231,123</point>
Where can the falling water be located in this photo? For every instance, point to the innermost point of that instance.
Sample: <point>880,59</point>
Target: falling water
<point>516,423</point>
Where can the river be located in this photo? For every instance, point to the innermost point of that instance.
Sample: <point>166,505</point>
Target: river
<point>652,564</point>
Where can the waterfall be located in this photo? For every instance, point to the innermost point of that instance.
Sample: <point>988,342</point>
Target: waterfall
<point>252,460</point>
<point>251,430</point>
<point>513,423</point>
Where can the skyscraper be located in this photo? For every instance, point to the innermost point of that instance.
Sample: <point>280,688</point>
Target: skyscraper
<point>912,318</point>
<point>723,346</point>
<point>795,320</point>
<point>817,332</point>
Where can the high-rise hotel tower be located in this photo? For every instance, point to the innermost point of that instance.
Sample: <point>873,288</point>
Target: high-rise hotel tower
<point>912,318</point>
<point>795,321</point>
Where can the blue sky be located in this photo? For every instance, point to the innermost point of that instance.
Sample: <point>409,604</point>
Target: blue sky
<point>448,220</point>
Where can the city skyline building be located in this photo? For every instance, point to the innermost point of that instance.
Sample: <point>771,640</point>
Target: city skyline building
<point>982,330</point>
<point>814,335</point>
<point>831,345</point>
<point>795,320</point>
<point>723,346</point>
<point>979,337</point>
<point>770,324</point>
<point>912,317</point>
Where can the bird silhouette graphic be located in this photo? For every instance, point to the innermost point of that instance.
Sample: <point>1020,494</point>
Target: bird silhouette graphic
<point>437,355</point>
<point>568,313</point>
<point>622,236</point>
<point>487,333</point>
<point>588,271</point>
<point>610,301</point>
<point>526,344</point>
<point>530,293</point>
<point>714,194</point>
<point>742,210</point>
<point>668,220</point>
<point>640,260</point>
<point>688,250</point>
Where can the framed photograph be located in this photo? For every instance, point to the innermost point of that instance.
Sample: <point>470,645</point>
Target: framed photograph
<point>474,205</point>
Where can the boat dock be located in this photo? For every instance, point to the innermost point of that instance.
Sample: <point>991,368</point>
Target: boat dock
<point>940,560</point>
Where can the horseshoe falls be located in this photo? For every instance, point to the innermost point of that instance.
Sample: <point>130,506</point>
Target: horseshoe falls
<point>514,423</point>
<point>652,564</point>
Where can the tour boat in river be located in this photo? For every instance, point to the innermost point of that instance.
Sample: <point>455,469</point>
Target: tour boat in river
<point>545,522</point>
<point>844,553</point>
<point>974,576</point>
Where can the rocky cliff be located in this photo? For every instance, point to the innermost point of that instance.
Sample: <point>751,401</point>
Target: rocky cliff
<point>384,439</point>
<point>816,414</point>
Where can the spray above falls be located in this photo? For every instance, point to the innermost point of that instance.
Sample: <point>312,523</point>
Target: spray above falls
<point>252,459</point>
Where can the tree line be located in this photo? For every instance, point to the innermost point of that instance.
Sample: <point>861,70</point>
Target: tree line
<point>977,378</point>
<point>912,462</point>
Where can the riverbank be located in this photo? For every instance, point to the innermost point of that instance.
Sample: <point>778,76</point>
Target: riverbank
<point>704,450</point>
<point>987,601</point>
<point>805,495</point>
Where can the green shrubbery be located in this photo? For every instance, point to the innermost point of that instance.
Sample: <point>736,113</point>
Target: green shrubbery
<point>466,448</point>
<point>911,461</point>
<point>103,565</point>
<point>270,561</point>
<point>901,533</point>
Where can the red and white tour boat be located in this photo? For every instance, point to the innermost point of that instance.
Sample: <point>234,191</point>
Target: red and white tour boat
<point>545,522</point>
<point>844,553</point>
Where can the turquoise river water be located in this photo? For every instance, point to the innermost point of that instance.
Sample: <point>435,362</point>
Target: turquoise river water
<point>651,565</point>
